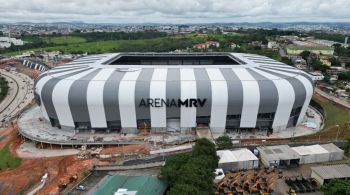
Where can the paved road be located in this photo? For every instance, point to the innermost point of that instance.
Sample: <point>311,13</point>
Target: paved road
<point>333,98</point>
<point>19,96</point>
<point>281,51</point>
<point>12,92</point>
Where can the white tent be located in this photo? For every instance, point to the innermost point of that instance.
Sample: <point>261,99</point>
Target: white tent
<point>237,159</point>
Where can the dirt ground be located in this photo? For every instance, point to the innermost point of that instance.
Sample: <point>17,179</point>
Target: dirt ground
<point>59,169</point>
<point>30,171</point>
<point>139,148</point>
<point>25,70</point>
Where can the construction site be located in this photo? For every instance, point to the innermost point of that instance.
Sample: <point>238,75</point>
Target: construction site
<point>76,162</point>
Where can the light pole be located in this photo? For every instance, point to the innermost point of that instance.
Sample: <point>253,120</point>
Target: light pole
<point>337,133</point>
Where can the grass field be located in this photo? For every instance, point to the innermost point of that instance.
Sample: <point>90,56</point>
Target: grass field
<point>64,40</point>
<point>335,115</point>
<point>7,160</point>
<point>95,47</point>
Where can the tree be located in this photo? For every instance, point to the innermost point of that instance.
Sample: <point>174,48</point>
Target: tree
<point>335,62</point>
<point>169,172</point>
<point>317,65</point>
<point>344,76</point>
<point>286,61</point>
<point>305,55</point>
<point>194,173</point>
<point>347,145</point>
<point>336,186</point>
<point>224,142</point>
<point>206,148</point>
<point>347,65</point>
<point>197,173</point>
<point>183,189</point>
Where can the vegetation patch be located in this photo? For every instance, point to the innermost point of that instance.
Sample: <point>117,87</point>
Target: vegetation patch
<point>336,186</point>
<point>3,88</point>
<point>192,174</point>
<point>64,40</point>
<point>7,159</point>
<point>335,115</point>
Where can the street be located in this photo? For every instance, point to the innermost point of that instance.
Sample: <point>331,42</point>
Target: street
<point>19,96</point>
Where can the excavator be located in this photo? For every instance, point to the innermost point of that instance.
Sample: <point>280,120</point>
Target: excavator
<point>254,188</point>
<point>223,181</point>
<point>235,179</point>
<point>248,181</point>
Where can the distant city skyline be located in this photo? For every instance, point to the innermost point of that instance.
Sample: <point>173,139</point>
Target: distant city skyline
<point>174,11</point>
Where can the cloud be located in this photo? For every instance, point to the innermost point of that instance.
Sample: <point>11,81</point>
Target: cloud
<point>119,11</point>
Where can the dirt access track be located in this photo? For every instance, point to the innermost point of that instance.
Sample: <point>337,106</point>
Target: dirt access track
<point>29,173</point>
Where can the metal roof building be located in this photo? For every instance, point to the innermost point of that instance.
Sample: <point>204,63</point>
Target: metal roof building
<point>174,92</point>
<point>312,154</point>
<point>335,153</point>
<point>324,173</point>
<point>278,156</point>
<point>319,153</point>
<point>237,159</point>
<point>137,185</point>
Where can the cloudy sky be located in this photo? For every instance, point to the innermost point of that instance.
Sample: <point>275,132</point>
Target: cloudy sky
<point>174,11</point>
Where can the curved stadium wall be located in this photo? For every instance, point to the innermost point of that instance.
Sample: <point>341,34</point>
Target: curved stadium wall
<point>174,92</point>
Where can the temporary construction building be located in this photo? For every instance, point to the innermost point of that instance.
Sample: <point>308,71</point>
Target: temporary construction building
<point>325,173</point>
<point>335,153</point>
<point>312,154</point>
<point>237,159</point>
<point>278,156</point>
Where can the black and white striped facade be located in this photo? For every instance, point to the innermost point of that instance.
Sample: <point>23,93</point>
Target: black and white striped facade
<point>258,92</point>
<point>34,66</point>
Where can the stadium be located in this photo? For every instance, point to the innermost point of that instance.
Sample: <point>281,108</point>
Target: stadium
<point>174,92</point>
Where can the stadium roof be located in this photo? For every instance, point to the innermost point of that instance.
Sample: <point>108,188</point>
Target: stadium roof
<point>130,62</point>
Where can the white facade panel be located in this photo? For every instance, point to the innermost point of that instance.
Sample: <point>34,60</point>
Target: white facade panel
<point>158,90</point>
<point>286,99</point>
<point>95,99</point>
<point>60,98</point>
<point>126,96</point>
<point>308,88</point>
<point>188,90</point>
<point>251,98</point>
<point>40,84</point>
<point>219,100</point>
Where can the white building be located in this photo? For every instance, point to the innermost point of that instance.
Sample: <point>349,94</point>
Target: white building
<point>272,45</point>
<point>316,76</point>
<point>237,159</point>
<point>5,42</point>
